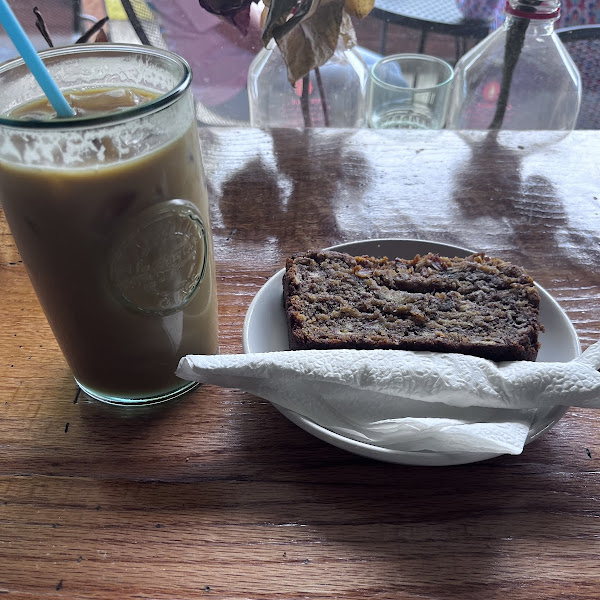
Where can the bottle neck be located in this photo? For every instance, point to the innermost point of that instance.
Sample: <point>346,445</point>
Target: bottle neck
<point>541,14</point>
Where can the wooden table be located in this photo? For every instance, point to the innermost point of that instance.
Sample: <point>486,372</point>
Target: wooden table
<point>218,495</point>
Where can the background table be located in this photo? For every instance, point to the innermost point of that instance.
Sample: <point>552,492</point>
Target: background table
<point>436,16</point>
<point>218,495</point>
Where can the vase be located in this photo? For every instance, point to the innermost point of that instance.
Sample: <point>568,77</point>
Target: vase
<point>335,96</point>
<point>518,78</point>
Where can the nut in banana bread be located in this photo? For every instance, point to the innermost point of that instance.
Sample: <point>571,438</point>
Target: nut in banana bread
<point>475,305</point>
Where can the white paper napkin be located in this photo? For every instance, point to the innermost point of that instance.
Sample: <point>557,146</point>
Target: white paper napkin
<point>409,400</point>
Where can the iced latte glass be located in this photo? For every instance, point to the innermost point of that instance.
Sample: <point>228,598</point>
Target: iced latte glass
<point>110,215</point>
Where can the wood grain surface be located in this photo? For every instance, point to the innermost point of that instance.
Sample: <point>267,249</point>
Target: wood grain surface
<point>217,495</point>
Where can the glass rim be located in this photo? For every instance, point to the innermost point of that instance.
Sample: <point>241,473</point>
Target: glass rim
<point>425,58</point>
<point>109,118</point>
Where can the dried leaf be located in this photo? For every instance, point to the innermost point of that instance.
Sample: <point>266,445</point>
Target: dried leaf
<point>41,26</point>
<point>312,42</point>
<point>359,8</point>
<point>240,19</point>
<point>306,31</point>
<point>347,32</point>
<point>278,19</point>
<point>234,11</point>
<point>263,16</point>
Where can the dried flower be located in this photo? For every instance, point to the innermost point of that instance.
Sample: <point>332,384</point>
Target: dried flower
<point>86,37</point>
<point>236,12</point>
<point>306,31</point>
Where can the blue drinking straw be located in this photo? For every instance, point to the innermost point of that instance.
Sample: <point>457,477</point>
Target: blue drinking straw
<point>34,62</point>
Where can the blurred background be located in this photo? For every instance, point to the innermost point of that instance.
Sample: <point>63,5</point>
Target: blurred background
<point>220,55</point>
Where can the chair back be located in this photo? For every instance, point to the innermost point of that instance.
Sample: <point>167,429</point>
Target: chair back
<point>583,44</point>
<point>144,22</point>
<point>63,18</point>
<point>147,28</point>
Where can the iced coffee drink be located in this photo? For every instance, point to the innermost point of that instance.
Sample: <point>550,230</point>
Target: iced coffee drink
<point>110,215</point>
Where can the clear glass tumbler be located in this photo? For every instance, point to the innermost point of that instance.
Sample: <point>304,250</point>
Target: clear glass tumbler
<point>408,91</point>
<point>110,215</point>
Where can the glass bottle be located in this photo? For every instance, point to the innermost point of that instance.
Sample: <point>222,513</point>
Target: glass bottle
<point>336,93</point>
<point>544,92</point>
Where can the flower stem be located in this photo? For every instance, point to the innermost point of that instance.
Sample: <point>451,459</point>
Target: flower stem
<point>304,101</point>
<point>323,99</point>
<point>515,39</point>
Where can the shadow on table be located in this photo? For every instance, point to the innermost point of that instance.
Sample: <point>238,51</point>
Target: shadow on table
<point>539,224</point>
<point>236,465</point>
<point>263,200</point>
<point>438,525</point>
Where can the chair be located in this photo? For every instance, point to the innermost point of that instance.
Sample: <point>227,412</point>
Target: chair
<point>145,28</point>
<point>438,16</point>
<point>63,18</point>
<point>143,25</point>
<point>583,44</point>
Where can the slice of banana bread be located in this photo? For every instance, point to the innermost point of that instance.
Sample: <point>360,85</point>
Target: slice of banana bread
<point>474,305</point>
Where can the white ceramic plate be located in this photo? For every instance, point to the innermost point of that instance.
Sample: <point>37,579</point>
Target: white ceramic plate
<point>265,330</point>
